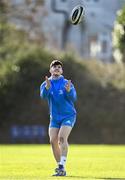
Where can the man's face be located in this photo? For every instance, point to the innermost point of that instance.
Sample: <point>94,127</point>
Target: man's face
<point>56,70</point>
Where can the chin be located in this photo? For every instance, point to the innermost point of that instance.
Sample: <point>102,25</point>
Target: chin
<point>56,74</point>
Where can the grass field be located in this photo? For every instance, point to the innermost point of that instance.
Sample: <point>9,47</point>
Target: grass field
<point>88,162</point>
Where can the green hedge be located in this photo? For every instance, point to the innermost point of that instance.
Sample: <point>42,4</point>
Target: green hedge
<point>100,104</point>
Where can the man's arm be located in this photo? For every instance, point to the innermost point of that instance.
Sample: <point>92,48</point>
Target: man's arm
<point>45,88</point>
<point>70,91</point>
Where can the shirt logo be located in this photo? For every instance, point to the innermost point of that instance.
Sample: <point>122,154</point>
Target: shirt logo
<point>68,122</point>
<point>60,91</point>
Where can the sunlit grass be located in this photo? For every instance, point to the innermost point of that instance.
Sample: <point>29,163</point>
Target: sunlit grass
<point>84,162</point>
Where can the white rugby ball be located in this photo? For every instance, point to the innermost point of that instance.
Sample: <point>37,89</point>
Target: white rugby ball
<point>77,14</point>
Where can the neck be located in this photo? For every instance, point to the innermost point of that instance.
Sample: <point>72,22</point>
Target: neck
<point>56,76</point>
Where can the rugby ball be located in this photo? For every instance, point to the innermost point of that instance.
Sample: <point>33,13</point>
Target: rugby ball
<point>77,14</point>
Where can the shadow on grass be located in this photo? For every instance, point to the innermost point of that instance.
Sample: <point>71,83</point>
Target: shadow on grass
<point>103,178</point>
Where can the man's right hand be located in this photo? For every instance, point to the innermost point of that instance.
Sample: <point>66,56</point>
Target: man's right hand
<point>47,83</point>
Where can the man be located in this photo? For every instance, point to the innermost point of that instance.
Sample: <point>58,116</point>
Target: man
<point>61,95</point>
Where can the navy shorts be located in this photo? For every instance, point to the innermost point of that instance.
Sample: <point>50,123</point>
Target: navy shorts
<point>64,122</point>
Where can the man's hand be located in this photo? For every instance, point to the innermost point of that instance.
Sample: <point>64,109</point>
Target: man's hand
<point>47,83</point>
<point>68,86</point>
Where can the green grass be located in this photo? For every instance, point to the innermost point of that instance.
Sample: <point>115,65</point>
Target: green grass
<point>35,162</point>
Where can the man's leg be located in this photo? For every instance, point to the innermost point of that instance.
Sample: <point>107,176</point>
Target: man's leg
<point>53,134</point>
<point>64,133</point>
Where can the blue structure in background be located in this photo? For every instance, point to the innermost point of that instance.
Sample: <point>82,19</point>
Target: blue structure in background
<point>28,133</point>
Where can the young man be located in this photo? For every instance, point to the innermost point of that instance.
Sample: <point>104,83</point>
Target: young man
<point>61,95</point>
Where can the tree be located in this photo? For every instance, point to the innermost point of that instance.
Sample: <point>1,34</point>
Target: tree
<point>119,36</point>
<point>3,19</point>
<point>27,15</point>
<point>14,37</point>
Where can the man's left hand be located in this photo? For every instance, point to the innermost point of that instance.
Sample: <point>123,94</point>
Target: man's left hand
<point>68,86</point>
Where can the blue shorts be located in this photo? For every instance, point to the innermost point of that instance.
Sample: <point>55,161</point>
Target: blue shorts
<point>64,122</point>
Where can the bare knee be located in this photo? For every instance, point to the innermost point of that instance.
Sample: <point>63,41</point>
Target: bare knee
<point>53,140</point>
<point>62,140</point>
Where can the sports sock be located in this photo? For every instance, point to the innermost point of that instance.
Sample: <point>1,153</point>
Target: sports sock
<point>63,160</point>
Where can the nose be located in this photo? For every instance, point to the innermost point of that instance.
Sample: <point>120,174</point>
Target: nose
<point>56,68</point>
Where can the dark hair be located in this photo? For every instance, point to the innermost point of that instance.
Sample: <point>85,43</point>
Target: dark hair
<point>56,62</point>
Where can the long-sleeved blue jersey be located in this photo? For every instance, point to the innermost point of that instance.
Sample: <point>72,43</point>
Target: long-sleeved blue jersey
<point>61,102</point>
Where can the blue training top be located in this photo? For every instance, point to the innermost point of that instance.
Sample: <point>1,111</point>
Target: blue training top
<point>61,102</point>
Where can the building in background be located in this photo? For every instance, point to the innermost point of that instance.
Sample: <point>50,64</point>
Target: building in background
<point>92,39</point>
